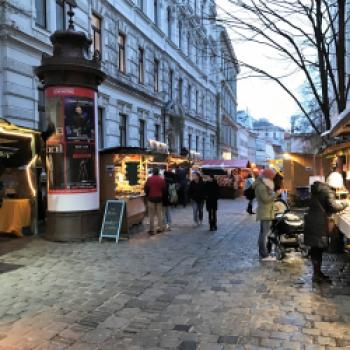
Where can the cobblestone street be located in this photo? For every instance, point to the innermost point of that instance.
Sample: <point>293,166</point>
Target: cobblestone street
<point>186,289</point>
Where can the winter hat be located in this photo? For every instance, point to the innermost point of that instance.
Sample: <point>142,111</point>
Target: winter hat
<point>269,173</point>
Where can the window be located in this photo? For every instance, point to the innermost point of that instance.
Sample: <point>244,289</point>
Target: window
<point>41,109</point>
<point>169,22</point>
<point>197,52</point>
<point>142,133</point>
<point>156,76</point>
<point>189,96</point>
<point>41,13</point>
<point>180,90</point>
<point>121,43</point>
<point>140,4</point>
<point>171,88</point>
<point>197,143</point>
<point>141,66</point>
<point>180,34</point>
<point>203,147</point>
<point>157,132</point>
<point>197,98</point>
<point>61,12</point>
<point>100,128</point>
<point>96,33</point>
<point>156,13</point>
<point>188,44</point>
<point>122,129</point>
<point>195,6</point>
<point>189,141</point>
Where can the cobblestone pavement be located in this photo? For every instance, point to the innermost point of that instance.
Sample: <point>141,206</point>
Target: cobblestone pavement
<point>186,289</point>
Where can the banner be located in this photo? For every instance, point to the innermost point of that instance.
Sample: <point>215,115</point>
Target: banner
<point>71,149</point>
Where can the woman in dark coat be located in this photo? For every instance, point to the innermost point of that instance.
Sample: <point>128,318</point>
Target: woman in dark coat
<point>212,195</point>
<point>322,205</point>
<point>197,195</point>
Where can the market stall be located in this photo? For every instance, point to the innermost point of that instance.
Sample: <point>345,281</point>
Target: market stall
<point>124,171</point>
<point>19,155</point>
<point>230,175</point>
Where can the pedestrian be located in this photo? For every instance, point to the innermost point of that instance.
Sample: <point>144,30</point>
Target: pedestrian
<point>169,198</point>
<point>197,195</point>
<point>317,230</point>
<point>265,197</point>
<point>154,189</point>
<point>212,196</point>
<point>181,183</point>
<point>249,192</point>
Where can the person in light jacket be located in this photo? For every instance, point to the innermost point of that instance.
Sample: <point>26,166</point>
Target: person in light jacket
<point>248,191</point>
<point>265,197</point>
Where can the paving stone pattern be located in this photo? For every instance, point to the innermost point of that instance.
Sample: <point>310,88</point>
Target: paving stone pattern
<point>186,289</point>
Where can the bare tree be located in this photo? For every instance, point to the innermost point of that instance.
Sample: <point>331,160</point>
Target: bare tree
<point>309,35</point>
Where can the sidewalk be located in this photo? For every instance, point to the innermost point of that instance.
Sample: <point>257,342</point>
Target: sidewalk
<point>185,289</point>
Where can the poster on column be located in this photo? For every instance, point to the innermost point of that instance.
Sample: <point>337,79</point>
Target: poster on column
<point>71,150</point>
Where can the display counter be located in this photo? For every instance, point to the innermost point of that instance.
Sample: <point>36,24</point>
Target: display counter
<point>342,220</point>
<point>15,215</point>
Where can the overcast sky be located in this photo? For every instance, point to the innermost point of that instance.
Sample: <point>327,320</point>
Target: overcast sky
<point>261,97</point>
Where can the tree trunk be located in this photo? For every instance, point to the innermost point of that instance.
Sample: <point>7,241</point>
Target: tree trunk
<point>340,54</point>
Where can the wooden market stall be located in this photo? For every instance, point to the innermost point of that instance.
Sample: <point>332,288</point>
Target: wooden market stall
<point>123,174</point>
<point>230,175</point>
<point>19,155</point>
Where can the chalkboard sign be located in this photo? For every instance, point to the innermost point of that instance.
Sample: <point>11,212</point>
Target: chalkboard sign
<point>112,219</point>
<point>132,173</point>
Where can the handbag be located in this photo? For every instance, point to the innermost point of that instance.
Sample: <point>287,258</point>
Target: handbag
<point>329,222</point>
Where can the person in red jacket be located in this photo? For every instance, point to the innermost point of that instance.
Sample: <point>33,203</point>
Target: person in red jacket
<point>154,189</point>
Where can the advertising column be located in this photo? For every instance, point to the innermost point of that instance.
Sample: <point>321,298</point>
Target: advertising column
<point>72,159</point>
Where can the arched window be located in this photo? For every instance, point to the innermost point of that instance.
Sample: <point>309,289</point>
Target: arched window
<point>169,22</point>
<point>180,34</point>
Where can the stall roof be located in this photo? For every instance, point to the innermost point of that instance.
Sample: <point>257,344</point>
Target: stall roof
<point>219,163</point>
<point>342,126</point>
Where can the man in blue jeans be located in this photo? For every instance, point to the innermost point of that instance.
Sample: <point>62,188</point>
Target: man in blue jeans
<point>265,196</point>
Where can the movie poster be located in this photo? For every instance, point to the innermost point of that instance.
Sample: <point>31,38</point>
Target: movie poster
<point>71,149</point>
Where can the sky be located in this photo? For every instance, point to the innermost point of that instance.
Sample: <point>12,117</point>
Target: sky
<point>263,98</point>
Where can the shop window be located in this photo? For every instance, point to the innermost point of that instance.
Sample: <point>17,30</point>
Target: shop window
<point>61,14</point>
<point>142,131</point>
<point>157,132</point>
<point>156,75</point>
<point>123,130</point>
<point>141,66</point>
<point>100,126</point>
<point>41,13</point>
<point>121,44</point>
<point>96,27</point>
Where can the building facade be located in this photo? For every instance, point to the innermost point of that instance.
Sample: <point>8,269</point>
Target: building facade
<point>161,59</point>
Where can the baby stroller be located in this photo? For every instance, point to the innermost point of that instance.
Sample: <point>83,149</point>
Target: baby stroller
<point>287,231</point>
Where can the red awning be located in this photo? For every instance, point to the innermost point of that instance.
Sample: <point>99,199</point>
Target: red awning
<point>233,163</point>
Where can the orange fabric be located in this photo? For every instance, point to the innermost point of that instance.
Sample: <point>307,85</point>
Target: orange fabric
<point>14,215</point>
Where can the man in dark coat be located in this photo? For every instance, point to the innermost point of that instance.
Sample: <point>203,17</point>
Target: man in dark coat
<point>322,205</point>
<point>212,195</point>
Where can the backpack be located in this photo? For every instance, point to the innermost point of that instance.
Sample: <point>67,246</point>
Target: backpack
<point>249,193</point>
<point>172,196</point>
